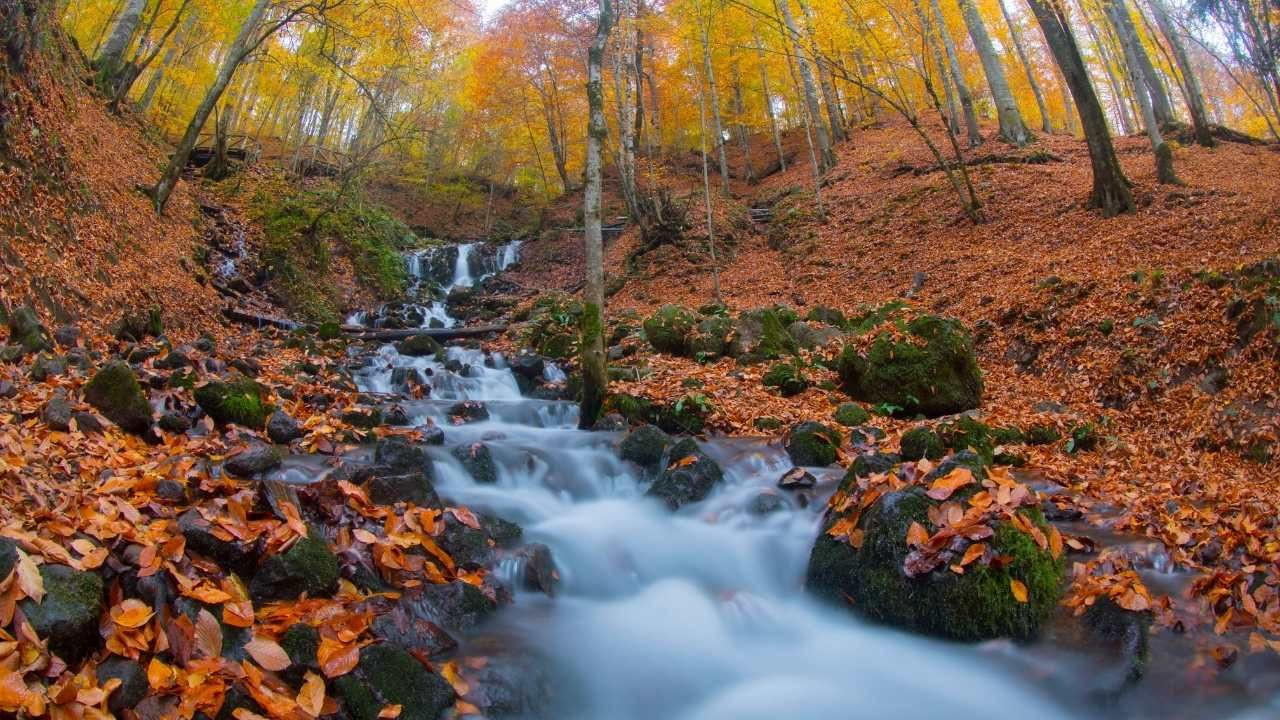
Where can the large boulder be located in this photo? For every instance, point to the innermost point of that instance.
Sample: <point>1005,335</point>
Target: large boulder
<point>812,444</point>
<point>401,455</point>
<point>787,377</point>
<point>67,616</point>
<point>762,335</point>
<point>879,576</point>
<point>389,675</point>
<point>238,400</point>
<point>669,329</point>
<point>138,324</point>
<point>711,338</point>
<point>919,365</point>
<point>690,476</point>
<point>282,428</point>
<point>115,392</point>
<point>133,683</point>
<point>420,346</point>
<point>253,461</point>
<point>308,567</point>
<point>26,334</point>
<point>645,446</point>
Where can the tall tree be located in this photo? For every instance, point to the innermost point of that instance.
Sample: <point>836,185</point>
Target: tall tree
<point>1016,36</point>
<point>1012,127</point>
<point>827,158</point>
<point>110,61</point>
<point>1118,12</point>
<point>1111,193</point>
<point>1146,77</point>
<point>1190,81</point>
<point>715,104</point>
<point>595,375</point>
<point>957,76</point>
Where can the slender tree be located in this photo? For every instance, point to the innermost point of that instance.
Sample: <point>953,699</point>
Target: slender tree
<point>595,375</point>
<point>1117,11</point>
<point>957,76</point>
<point>1012,127</point>
<point>827,158</point>
<point>1016,36</point>
<point>1190,81</point>
<point>110,61</point>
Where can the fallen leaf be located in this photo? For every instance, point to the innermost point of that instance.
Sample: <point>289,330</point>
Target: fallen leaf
<point>311,696</point>
<point>946,485</point>
<point>268,654</point>
<point>208,635</point>
<point>1019,590</point>
<point>29,580</point>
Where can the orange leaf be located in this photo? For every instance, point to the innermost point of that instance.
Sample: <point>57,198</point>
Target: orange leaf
<point>29,580</point>
<point>268,654</point>
<point>238,614</point>
<point>946,485</point>
<point>389,712</point>
<point>917,535</point>
<point>208,634</point>
<point>131,614</point>
<point>337,658</point>
<point>1019,590</point>
<point>311,696</point>
<point>1055,542</point>
<point>974,552</point>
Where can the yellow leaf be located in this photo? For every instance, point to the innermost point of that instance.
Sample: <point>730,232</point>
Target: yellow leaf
<point>311,696</point>
<point>131,614</point>
<point>29,580</point>
<point>944,486</point>
<point>974,552</point>
<point>1019,590</point>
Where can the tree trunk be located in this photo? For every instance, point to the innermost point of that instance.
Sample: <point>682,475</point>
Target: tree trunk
<point>1190,84</point>
<point>595,374</point>
<point>835,116</point>
<point>739,111</point>
<point>1012,128</point>
<point>957,76</point>
<point>1016,36</point>
<point>1117,92</point>
<point>1131,43</point>
<point>715,108</point>
<point>1111,192</point>
<point>1118,12</point>
<point>768,100</point>
<point>828,158</point>
<point>240,49</point>
<point>110,61</point>
<point>939,60</point>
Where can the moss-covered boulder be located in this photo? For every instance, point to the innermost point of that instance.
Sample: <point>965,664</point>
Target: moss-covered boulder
<point>787,377</point>
<point>851,415</point>
<point>711,338</point>
<point>138,324</point>
<point>645,446</point>
<point>812,444</point>
<point>918,365</point>
<point>871,463</point>
<point>669,329</point>
<point>67,616</point>
<point>26,334</point>
<point>552,330</point>
<point>828,316</point>
<point>115,392</point>
<point>389,675</point>
<point>236,401</point>
<point>477,460</point>
<point>420,346</point>
<point>978,604</point>
<point>690,476</point>
<point>921,442</point>
<point>762,335</point>
<point>307,567</point>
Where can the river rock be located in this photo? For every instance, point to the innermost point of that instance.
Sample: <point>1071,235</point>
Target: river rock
<point>233,555</point>
<point>26,334</point>
<point>851,415</point>
<point>645,447</point>
<point>307,567</point>
<point>920,443</point>
<point>932,372</point>
<point>115,392</point>
<point>468,412</point>
<point>872,463</point>
<point>387,486</point>
<point>419,346</point>
<point>762,335</point>
<point>389,675</point>
<point>477,460</point>
<point>797,478</point>
<point>690,476</point>
<point>133,683</point>
<point>453,606</point>
<point>401,455</point>
<point>283,429</point>
<point>668,330</point>
<point>253,461</point>
<point>467,546</point>
<point>540,573</point>
<point>237,400</point>
<point>67,616</point>
<point>813,444</point>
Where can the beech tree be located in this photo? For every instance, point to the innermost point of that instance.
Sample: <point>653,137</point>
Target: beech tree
<point>595,375</point>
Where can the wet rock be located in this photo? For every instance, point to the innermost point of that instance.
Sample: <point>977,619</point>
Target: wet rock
<point>690,476</point>
<point>67,617</point>
<point>873,463</point>
<point>133,683</point>
<point>668,330</point>
<point>253,461</point>
<point>467,546</point>
<point>389,675</point>
<point>173,422</point>
<point>645,447</point>
<point>1126,632</point>
<point>851,415</point>
<point>611,422</point>
<point>504,533</point>
<point>171,491</point>
<point>57,412</point>
<point>388,487</point>
<point>307,567</point>
<point>400,627</point>
<point>283,429</point>
<point>539,573</point>
<point>797,478</point>
<point>174,360</point>
<point>974,606</point>
<point>934,372</point>
<point>431,435</point>
<point>921,442</point>
<point>453,606</point>
<point>115,392</point>
<point>468,412</point>
<point>239,400</point>
<point>762,335</point>
<point>812,444</point>
<point>365,418</point>
<point>87,423</point>
<point>528,366</point>
<point>766,503</point>
<point>404,379</point>
<point>510,684</point>
<point>396,415</point>
<point>233,555</point>
<point>401,455</point>
<point>477,460</point>
<point>419,346</point>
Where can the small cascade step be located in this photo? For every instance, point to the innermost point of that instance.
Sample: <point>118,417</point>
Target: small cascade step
<point>761,215</point>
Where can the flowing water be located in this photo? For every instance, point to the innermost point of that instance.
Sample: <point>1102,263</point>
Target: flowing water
<point>701,615</point>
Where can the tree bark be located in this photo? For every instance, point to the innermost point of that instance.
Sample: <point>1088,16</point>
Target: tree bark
<point>595,375</point>
<point>939,60</point>
<point>1118,12</point>
<point>110,60</point>
<point>1190,84</point>
<point>715,108</point>
<point>1111,192</point>
<point>1012,127</point>
<point>1131,43</point>
<point>828,158</point>
<point>1016,36</point>
<point>768,100</point>
<point>957,76</point>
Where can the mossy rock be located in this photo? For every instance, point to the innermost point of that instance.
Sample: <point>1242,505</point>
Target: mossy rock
<point>1041,435</point>
<point>420,346</point>
<point>920,443</point>
<point>967,433</point>
<point>389,675</point>
<point>137,325</point>
<point>978,605</point>
<point>115,392</point>
<point>871,463</point>
<point>787,377</point>
<point>329,331</point>
<point>238,401</point>
<point>553,326</point>
<point>669,330</point>
<point>67,616</point>
<point>762,335</point>
<point>133,683</point>
<point>812,444</point>
<point>828,316</point>
<point>711,338</point>
<point>767,424</point>
<point>308,567</point>
<point>851,415</point>
<point>687,415</point>
<point>922,366</point>
<point>1083,437</point>
<point>26,334</point>
<point>690,476</point>
<point>645,446</point>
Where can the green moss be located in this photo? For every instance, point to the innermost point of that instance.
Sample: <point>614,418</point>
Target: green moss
<point>812,444</point>
<point>1041,435</point>
<point>645,446</point>
<point>329,331</point>
<point>136,325</point>
<point>711,338</point>
<point>1083,437</point>
<point>852,415</point>
<point>389,675</point>
<point>308,567</point>
<point>669,329</point>
<point>240,401</point>
<point>921,442</point>
<point>67,616</point>
<point>420,346</point>
<point>966,433</point>
<point>934,373</point>
<point>26,334</point>
<point>553,328</point>
<point>787,377</point>
<point>828,316</point>
<point>767,424</point>
<point>974,606</point>
<point>116,393</point>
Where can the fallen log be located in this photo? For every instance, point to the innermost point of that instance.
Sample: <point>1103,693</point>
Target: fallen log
<point>257,320</point>
<point>364,333</point>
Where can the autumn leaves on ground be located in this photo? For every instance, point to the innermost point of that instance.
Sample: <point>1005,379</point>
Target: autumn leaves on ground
<point>1128,369</point>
